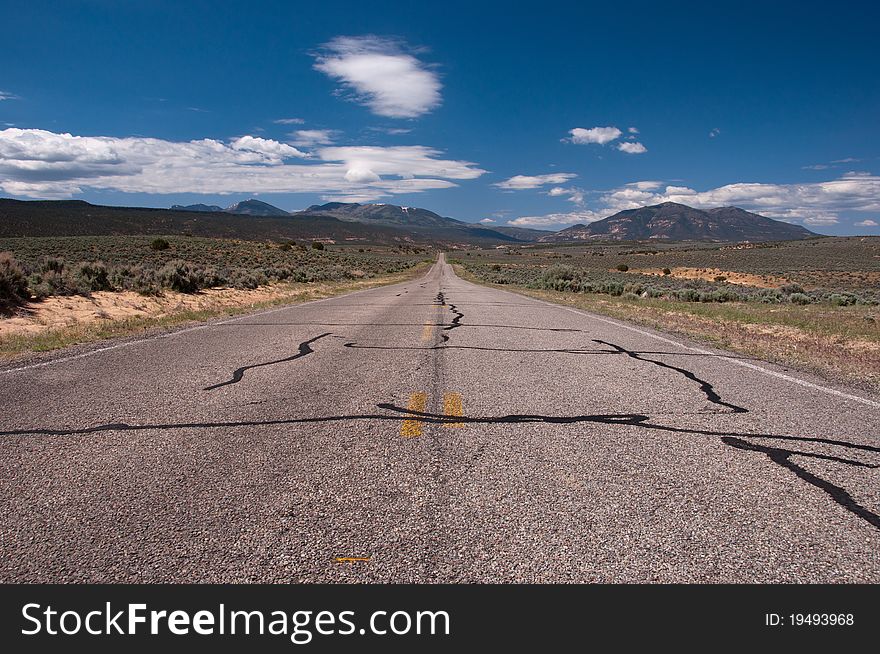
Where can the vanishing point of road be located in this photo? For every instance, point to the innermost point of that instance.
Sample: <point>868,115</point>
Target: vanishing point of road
<point>432,431</point>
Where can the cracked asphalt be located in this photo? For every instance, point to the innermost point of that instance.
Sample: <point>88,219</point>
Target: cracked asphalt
<point>432,431</point>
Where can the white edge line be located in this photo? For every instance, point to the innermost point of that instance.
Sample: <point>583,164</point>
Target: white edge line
<point>739,362</point>
<point>178,332</point>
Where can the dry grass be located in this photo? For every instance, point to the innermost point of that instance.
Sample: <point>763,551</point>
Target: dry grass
<point>60,322</point>
<point>837,343</point>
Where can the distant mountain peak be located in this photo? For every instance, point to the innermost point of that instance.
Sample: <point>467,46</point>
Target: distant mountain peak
<point>196,207</point>
<point>254,207</point>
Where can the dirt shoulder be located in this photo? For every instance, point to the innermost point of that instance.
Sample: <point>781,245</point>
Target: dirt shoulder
<point>60,322</point>
<point>841,344</point>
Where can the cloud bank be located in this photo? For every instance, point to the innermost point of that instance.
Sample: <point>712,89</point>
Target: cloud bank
<point>43,164</point>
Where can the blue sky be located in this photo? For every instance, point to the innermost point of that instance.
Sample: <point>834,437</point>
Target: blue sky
<point>535,114</point>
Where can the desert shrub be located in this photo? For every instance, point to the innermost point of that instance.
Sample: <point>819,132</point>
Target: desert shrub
<point>843,299</point>
<point>93,277</point>
<point>720,295</point>
<point>558,272</point>
<point>720,279</point>
<point>13,283</point>
<point>667,271</point>
<point>317,245</point>
<point>800,298</point>
<point>496,266</point>
<point>180,276</point>
<point>788,289</point>
<point>769,296</point>
<point>247,279</point>
<point>629,296</point>
<point>50,279</point>
<point>687,295</point>
<point>622,267</point>
<point>159,244</point>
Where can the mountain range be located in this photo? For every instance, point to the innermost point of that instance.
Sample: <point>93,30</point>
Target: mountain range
<point>679,222</point>
<point>379,224</point>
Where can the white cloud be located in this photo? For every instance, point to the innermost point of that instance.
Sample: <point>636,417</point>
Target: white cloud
<point>556,220</point>
<point>816,167</point>
<point>361,175</point>
<point>600,135</point>
<point>867,223</point>
<point>572,194</point>
<point>381,75</point>
<point>38,163</point>
<point>5,95</point>
<point>632,147</point>
<point>522,182</point>
<point>715,131</point>
<point>308,138</point>
<point>289,121</point>
<point>487,221</point>
<point>633,130</point>
<point>266,146</point>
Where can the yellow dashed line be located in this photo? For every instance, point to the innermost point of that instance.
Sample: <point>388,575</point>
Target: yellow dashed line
<point>452,407</point>
<point>428,332</point>
<point>413,427</point>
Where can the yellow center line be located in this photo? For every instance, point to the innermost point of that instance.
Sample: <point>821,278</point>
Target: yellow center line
<point>412,427</point>
<point>428,332</point>
<point>352,559</point>
<point>452,407</point>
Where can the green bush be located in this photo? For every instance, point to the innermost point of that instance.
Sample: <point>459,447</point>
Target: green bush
<point>667,271</point>
<point>800,298</point>
<point>317,245</point>
<point>160,244</point>
<point>622,267</point>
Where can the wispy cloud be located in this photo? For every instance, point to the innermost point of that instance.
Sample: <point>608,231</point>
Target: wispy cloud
<point>867,223</point>
<point>715,131</point>
<point>392,131</point>
<point>5,95</point>
<point>289,121</point>
<point>523,182</point>
<point>39,163</point>
<point>381,74</point>
<point>308,138</point>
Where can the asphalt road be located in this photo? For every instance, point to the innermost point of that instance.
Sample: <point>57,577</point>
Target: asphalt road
<point>443,432</point>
